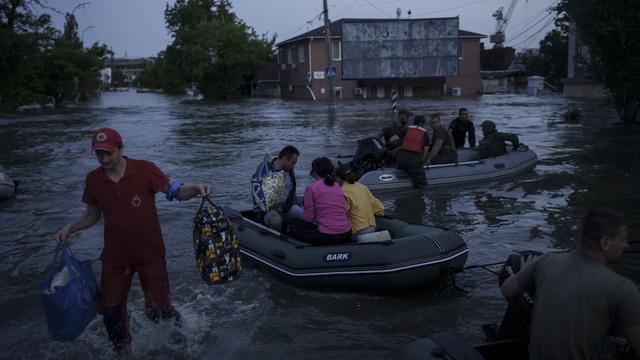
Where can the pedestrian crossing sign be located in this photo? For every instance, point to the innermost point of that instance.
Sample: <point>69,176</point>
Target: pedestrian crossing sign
<point>330,71</point>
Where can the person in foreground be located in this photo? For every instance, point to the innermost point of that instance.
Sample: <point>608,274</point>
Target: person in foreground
<point>413,151</point>
<point>492,143</point>
<point>325,205</point>
<point>362,206</point>
<point>578,299</point>
<point>123,190</point>
<point>286,207</point>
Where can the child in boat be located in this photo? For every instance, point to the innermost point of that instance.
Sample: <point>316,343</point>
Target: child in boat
<point>324,204</point>
<point>362,206</point>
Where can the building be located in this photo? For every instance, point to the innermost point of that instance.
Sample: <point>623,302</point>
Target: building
<point>266,83</point>
<point>129,68</point>
<point>370,70</point>
<point>577,84</point>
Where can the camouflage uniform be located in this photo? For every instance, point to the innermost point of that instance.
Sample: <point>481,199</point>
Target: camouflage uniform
<point>493,142</point>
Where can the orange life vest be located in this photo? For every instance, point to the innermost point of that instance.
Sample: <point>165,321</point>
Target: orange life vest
<point>414,139</point>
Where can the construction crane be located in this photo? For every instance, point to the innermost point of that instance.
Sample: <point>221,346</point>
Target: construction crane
<point>502,20</point>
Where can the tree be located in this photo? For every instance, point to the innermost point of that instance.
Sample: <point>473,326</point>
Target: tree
<point>610,30</point>
<point>73,72</point>
<point>41,65</point>
<point>24,37</point>
<point>211,48</point>
<point>551,62</point>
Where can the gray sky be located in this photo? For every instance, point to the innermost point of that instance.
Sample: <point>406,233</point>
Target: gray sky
<point>136,27</point>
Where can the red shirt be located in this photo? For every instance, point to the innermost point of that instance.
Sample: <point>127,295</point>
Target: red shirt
<point>132,232</point>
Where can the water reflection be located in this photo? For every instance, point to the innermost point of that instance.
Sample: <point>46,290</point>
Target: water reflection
<point>580,166</point>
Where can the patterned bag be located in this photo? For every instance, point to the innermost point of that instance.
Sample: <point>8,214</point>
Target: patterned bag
<point>216,247</point>
<point>267,189</point>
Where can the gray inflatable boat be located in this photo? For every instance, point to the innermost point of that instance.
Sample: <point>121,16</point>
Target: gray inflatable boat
<point>415,256</point>
<point>469,168</point>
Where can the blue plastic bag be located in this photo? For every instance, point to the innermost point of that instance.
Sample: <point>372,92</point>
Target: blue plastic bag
<point>70,295</point>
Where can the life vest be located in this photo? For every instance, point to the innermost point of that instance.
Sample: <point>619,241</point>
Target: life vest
<point>414,139</point>
<point>216,247</point>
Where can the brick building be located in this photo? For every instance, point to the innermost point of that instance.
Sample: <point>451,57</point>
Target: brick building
<point>302,62</point>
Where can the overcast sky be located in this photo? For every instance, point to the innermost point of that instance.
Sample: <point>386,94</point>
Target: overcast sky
<point>136,28</point>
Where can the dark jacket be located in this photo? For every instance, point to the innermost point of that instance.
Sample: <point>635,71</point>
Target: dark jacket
<point>493,145</point>
<point>459,130</point>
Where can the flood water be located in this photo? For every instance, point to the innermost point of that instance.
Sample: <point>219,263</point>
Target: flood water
<point>258,316</point>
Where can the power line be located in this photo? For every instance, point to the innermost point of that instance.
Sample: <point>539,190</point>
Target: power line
<point>532,18</point>
<point>529,28</point>
<point>375,7</point>
<point>451,8</point>
<point>534,34</point>
<point>347,9</point>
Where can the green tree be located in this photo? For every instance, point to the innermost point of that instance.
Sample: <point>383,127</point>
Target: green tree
<point>39,64</point>
<point>211,48</point>
<point>24,37</point>
<point>551,62</point>
<point>610,30</point>
<point>73,72</point>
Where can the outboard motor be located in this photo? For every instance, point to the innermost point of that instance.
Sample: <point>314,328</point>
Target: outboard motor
<point>369,156</point>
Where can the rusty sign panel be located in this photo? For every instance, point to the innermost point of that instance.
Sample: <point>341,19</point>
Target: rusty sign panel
<point>399,49</point>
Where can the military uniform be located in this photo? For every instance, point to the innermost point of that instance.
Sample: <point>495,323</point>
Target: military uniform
<point>493,143</point>
<point>447,153</point>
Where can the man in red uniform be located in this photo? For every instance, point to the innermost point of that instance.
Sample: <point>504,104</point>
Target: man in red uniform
<point>123,189</point>
<point>413,151</point>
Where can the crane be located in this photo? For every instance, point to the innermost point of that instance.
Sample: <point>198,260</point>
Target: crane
<point>502,20</point>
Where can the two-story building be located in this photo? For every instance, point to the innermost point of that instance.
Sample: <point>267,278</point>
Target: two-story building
<point>419,57</point>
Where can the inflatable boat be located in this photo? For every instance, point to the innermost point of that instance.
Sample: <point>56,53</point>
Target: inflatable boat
<point>7,186</point>
<point>415,255</point>
<point>469,168</point>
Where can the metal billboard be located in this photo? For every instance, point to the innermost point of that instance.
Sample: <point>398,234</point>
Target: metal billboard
<point>399,49</point>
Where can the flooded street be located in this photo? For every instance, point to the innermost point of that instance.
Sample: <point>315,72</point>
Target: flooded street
<point>258,316</point>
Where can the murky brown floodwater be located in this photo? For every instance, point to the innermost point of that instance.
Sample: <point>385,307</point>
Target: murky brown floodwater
<point>258,316</point>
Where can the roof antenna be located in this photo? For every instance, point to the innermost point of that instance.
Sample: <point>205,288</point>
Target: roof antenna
<point>398,13</point>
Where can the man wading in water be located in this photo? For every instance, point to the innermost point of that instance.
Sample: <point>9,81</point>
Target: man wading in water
<point>123,189</point>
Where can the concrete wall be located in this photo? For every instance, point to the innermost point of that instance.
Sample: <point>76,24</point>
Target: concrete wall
<point>468,79</point>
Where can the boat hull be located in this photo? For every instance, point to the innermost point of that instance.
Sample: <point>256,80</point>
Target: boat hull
<point>416,256</point>
<point>468,169</point>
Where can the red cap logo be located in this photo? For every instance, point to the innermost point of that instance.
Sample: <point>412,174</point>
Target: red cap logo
<point>106,139</point>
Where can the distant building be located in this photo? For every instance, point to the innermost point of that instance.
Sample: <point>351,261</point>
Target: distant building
<point>130,68</point>
<point>266,82</point>
<point>370,68</point>
<point>577,84</point>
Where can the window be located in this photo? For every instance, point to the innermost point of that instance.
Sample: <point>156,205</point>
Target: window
<point>336,49</point>
<point>290,55</point>
<point>380,91</point>
<point>338,92</point>
<point>301,53</point>
<point>408,91</point>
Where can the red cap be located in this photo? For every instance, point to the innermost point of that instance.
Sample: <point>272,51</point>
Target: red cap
<point>106,139</point>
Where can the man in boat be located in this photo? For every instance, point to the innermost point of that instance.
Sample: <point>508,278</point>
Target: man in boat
<point>123,189</point>
<point>442,149</point>
<point>413,151</point>
<point>462,126</point>
<point>579,300</point>
<point>493,142</point>
<point>285,207</point>
<point>392,135</point>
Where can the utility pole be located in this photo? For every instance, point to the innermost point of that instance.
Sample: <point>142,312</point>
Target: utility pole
<point>327,39</point>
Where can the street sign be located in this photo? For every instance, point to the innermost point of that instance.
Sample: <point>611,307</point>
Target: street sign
<point>330,71</point>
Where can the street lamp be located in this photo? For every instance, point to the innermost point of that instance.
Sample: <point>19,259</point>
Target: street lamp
<point>85,29</point>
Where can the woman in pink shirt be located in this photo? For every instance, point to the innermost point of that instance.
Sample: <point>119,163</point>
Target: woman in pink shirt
<point>325,205</point>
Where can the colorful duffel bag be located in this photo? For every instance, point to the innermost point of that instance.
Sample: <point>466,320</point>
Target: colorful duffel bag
<point>268,188</point>
<point>216,247</point>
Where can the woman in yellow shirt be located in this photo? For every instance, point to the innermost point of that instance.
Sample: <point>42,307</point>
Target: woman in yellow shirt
<point>362,206</point>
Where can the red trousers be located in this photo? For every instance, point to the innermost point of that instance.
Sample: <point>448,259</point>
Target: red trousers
<point>116,282</point>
